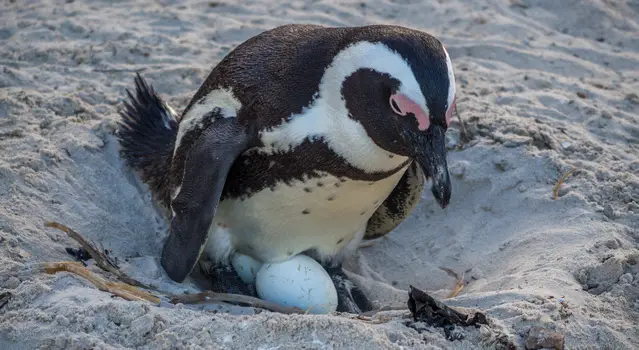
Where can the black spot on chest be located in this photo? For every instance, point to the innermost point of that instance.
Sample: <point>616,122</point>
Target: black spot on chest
<point>253,171</point>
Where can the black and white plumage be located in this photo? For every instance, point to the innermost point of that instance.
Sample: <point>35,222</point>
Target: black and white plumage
<point>304,139</point>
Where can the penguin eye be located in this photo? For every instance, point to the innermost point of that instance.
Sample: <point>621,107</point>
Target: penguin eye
<point>395,106</point>
<point>404,106</point>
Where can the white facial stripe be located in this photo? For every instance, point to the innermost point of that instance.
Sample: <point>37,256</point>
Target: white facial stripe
<point>327,116</point>
<point>219,98</point>
<point>375,56</point>
<point>451,79</point>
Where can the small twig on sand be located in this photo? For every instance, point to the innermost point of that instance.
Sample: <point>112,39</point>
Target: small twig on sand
<point>308,309</point>
<point>122,290</point>
<point>458,286</point>
<point>367,244</point>
<point>463,133</point>
<point>212,297</point>
<point>369,319</point>
<point>369,315</point>
<point>561,180</point>
<point>124,70</point>
<point>384,308</point>
<point>372,241</point>
<point>101,259</point>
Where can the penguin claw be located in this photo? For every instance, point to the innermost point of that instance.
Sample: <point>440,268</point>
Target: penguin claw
<point>224,279</point>
<point>350,297</point>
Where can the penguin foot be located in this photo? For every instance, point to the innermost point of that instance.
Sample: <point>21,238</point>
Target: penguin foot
<point>224,279</point>
<point>350,297</point>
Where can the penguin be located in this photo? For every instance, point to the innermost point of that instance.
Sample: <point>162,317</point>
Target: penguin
<point>304,139</point>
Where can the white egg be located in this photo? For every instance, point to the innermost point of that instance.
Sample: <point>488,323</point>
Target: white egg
<point>246,267</point>
<point>299,281</point>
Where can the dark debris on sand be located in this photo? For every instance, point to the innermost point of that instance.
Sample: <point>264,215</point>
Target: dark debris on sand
<point>428,311</point>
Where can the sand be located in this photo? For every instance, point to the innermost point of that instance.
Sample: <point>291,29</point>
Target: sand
<point>543,86</point>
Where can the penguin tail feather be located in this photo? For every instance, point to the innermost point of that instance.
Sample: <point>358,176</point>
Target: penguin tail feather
<point>147,133</point>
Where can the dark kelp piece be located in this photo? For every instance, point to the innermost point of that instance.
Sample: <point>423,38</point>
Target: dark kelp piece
<point>427,309</point>
<point>4,298</point>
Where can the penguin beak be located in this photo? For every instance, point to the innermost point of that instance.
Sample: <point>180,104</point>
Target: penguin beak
<point>430,153</point>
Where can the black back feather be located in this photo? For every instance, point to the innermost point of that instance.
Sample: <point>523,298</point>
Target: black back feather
<point>147,134</point>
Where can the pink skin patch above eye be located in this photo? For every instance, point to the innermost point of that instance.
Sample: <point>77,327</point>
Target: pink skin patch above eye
<point>449,112</point>
<point>406,105</point>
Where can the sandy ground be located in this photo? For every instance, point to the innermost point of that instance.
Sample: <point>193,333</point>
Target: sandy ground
<point>544,87</point>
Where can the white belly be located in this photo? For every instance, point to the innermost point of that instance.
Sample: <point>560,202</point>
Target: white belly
<point>325,214</point>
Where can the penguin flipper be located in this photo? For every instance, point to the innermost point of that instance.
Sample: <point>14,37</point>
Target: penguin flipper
<point>208,158</point>
<point>398,205</point>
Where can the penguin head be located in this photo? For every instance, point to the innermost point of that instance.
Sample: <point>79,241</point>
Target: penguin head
<point>401,89</point>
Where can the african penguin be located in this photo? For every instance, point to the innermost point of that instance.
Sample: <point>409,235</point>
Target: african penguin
<point>303,140</point>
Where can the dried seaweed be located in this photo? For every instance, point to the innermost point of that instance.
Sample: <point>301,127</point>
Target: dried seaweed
<point>427,309</point>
